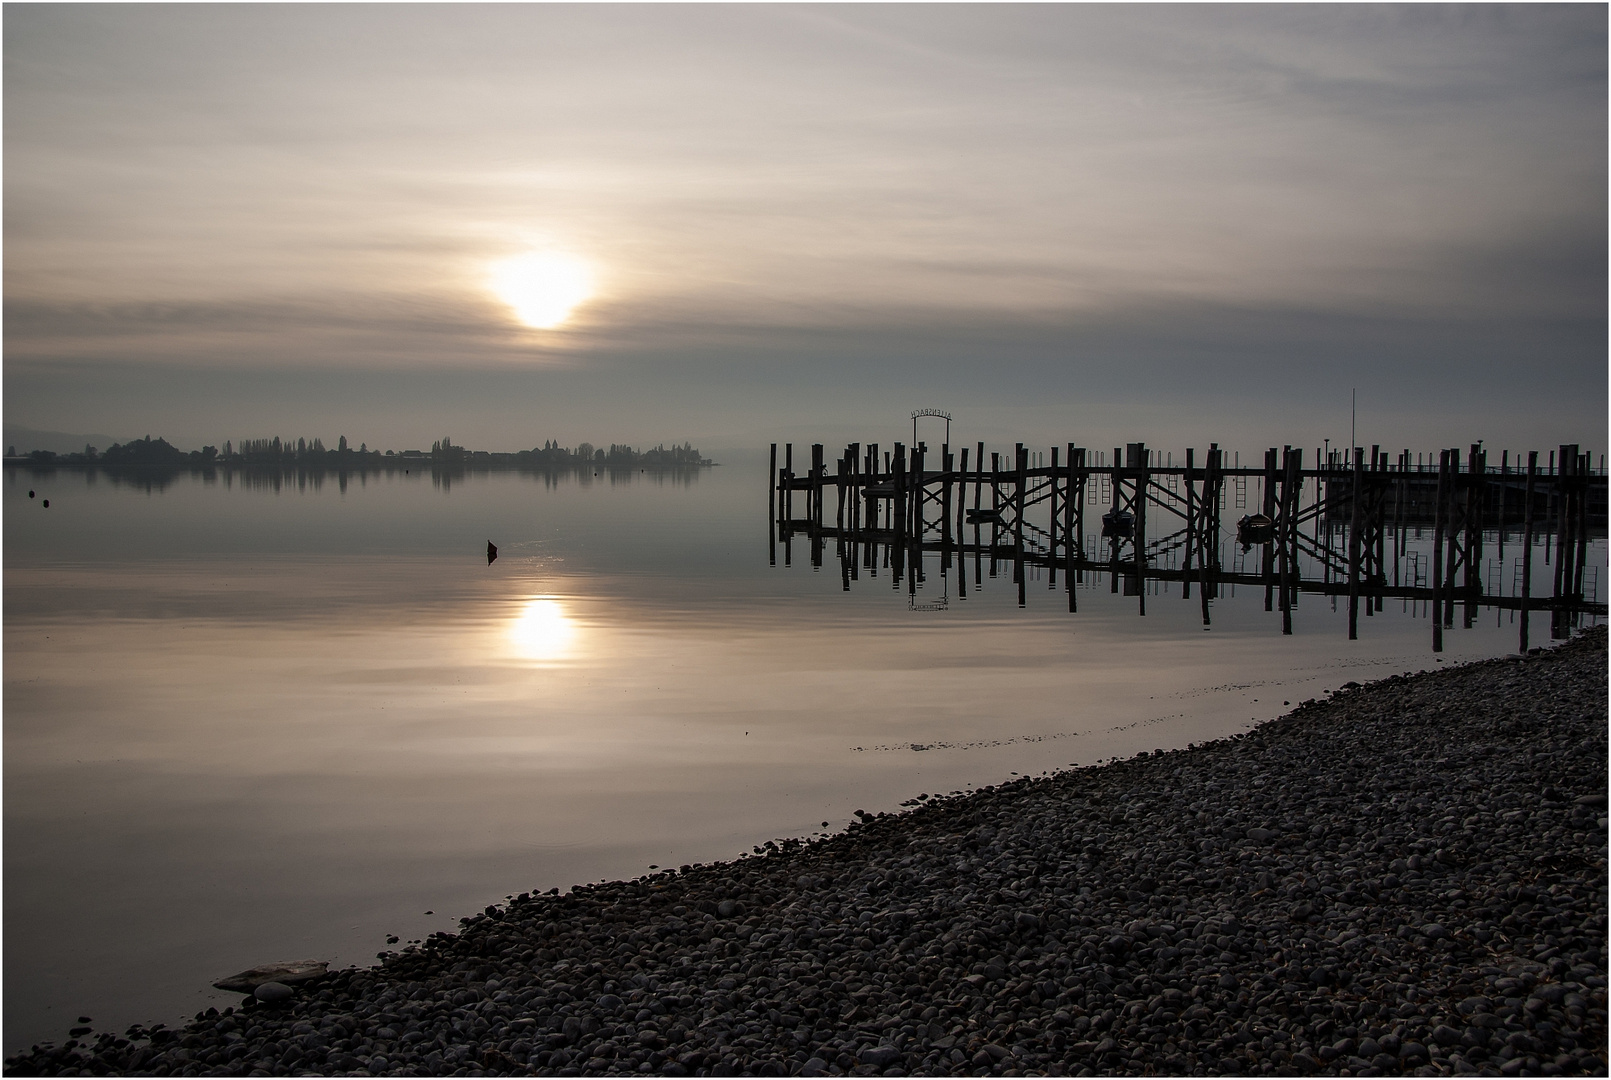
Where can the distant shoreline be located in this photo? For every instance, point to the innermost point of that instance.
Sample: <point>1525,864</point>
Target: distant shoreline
<point>384,464</point>
<point>310,455</point>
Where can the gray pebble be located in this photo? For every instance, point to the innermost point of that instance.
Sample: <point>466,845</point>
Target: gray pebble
<point>271,992</point>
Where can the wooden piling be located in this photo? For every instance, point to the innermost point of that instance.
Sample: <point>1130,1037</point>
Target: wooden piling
<point>1451,539</point>
<point>1527,545</point>
<point>1191,529</point>
<point>1398,517</point>
<point>1115,488</point>
<point>897,476</point>
<point>962,494</point>
<point>1208,546</point>
<point>853,497</point>
<point>1563,514</point>
<point>916,500</point>
<point>1139,502</point>
<point>788,476</point>
<point>1504,500</point>
<point>1580,482</point>
<point>817,468</point>
<point>1072,497</point>
<point>1083,479</point>
<point>875,505</point>
<point>1283,554</point>
<point>1376,571</point>
<point>1269,512</point>
<point>1052,523</point>
<point>1584,468</point>
<point>1472,533</point>
<point>1437,553</point>
<point>840,474</point>
<point>1353,546</point>
<point>978,482</point>
<point>1020,477</point>
<point>1295,485</point>
<point>995,504</point>
<point>1554,508</point>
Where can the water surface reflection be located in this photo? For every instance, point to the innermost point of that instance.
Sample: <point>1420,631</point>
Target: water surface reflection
<point>543,632</point>
<point>244,725</point>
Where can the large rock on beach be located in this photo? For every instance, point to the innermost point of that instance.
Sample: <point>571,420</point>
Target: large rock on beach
<point>1406,879</point>
<point>288,972</point>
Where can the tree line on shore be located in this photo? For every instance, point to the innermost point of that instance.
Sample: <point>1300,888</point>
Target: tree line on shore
<point>313,453</point>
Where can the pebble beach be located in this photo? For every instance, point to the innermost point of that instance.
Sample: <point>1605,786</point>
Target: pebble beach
<point>1405,878</point>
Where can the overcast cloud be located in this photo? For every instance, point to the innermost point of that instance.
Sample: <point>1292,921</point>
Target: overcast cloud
<point>1105,216</point>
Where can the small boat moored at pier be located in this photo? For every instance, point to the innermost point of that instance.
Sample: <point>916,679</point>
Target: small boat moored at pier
<point>1254,529</point>
<point>1118,524</point>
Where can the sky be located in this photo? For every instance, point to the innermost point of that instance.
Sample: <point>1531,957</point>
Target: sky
<point>738,224</point>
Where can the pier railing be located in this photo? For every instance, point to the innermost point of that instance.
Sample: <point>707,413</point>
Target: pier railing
<point>1341,528</point>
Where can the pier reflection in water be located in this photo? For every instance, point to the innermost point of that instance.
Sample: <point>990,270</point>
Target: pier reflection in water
<point>1432,537</point>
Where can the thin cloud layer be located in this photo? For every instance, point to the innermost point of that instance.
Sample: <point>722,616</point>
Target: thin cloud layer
<point>316,186</point>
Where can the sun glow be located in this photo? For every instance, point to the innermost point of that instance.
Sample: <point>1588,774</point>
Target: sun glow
<point>542,630</point>
<point>542,288</point>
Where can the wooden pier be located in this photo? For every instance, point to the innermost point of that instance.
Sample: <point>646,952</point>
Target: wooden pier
<point>1340,528</point>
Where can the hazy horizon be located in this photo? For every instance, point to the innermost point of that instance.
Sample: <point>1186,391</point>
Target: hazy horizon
<point>756,223</point>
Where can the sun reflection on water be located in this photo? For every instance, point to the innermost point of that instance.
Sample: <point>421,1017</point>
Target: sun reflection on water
<point>543,630</point>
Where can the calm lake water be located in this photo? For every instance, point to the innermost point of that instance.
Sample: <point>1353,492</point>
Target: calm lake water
<point>247,723</point>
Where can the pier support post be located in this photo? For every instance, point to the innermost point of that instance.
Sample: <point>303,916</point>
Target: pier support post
<point>788,481</point>
<point>1083,478</point>
<point>1071,498</point>
<point>962,499</point>
<point>854,498</point>
<point>841,472</point>
<point>1580,481</point>
<point>1208,518</point>
<point>1437,553</point>
<point>1138,452</point>
<point>1052,522</point>
<point>817,471</point>
<point>1191,527</point>
<point>1354,516</point>
<point>1269,512</point>
<point>1527,544</point>
<point>995,504</point>
<point>918,493</point>
<point>1020,477</point>
<point>1476,479</point>
<point>978,483</point>
<point>897,479</point>
<point>1294,486</point>
<point>1453,525</point>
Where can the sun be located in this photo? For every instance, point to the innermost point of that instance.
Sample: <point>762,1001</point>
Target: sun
<point>542,288</point>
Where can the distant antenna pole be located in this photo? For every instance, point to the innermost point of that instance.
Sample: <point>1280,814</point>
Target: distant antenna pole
<point>1353,421</point>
